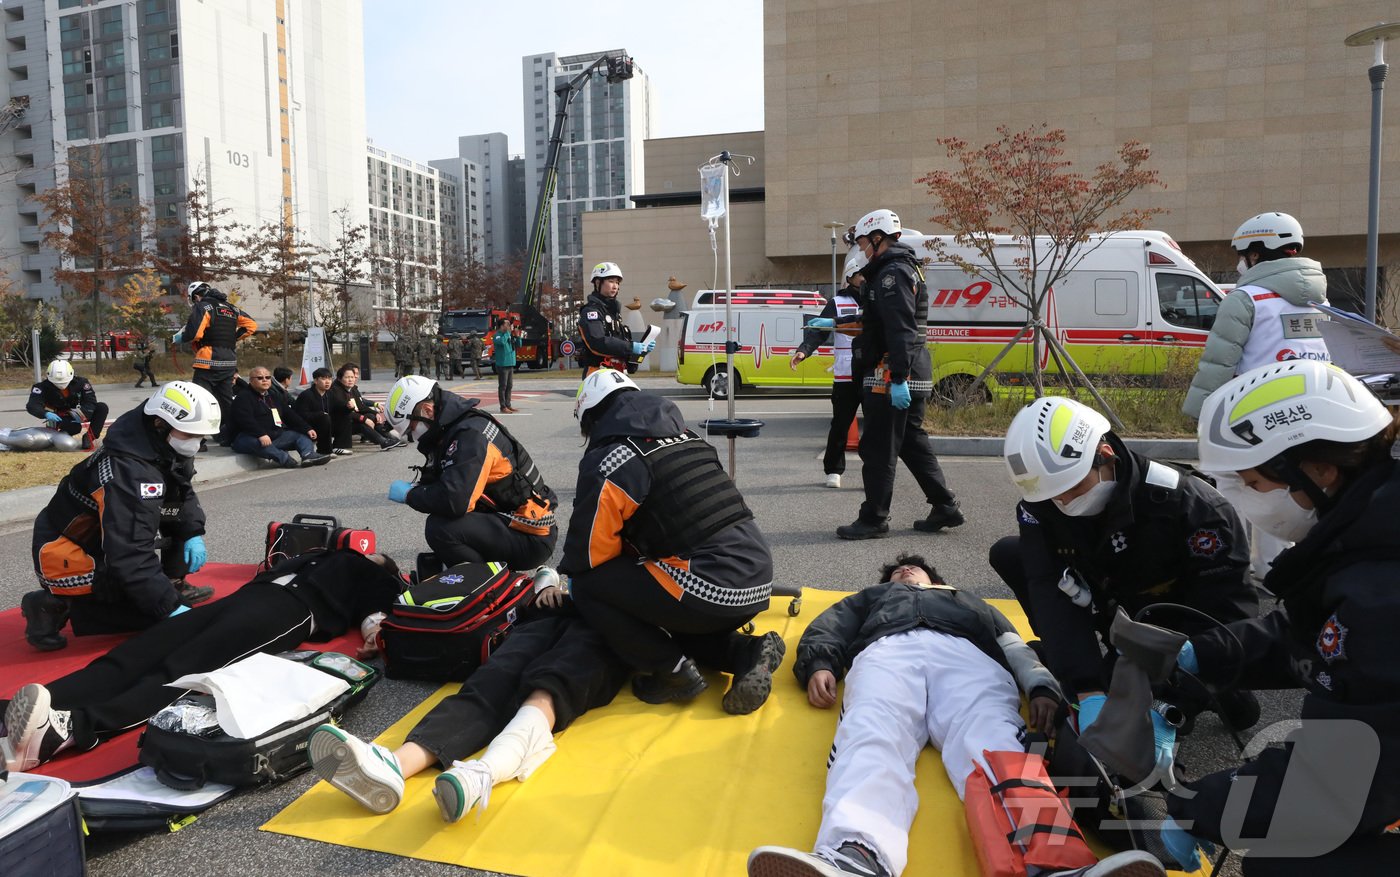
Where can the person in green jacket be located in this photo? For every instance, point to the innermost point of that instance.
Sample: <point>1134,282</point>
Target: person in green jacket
<point>503,346</point>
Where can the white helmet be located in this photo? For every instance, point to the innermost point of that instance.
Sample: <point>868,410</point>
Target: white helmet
<point>855,262</point>
<point>882,220</point>
<point>404,396</point>
<point>1051,446</point>
<point>598,386</point>
<point>1272,231</point>
<point>196,289</point>
<point>605,269</point>
<point>1266,411</point>
<point>60,373</point>
<point>185,406</point>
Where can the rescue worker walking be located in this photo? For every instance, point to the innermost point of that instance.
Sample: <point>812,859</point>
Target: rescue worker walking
<point>67,402</point>
<point>896,379</point>
<point>95,543</point>
<point>213,331</point>
<point>475,346</point>
<point>844,313</point>
<point>1102,528</point>
<point>141,361</point>
<point>666,559</point>
<point>483,495</point>
<point>605,341</point>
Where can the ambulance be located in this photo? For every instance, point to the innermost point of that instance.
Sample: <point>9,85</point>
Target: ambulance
<point>768,328</point>
<point>1134,307</point>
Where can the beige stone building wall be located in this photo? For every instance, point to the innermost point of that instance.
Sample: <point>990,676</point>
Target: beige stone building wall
<point>672,163</point>
<point>1247,106</point>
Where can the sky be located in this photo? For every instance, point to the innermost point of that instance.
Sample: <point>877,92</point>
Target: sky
<point>439,69</point>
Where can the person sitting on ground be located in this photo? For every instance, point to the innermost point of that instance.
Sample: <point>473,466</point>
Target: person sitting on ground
<point>665,557</point>
<point>552,669</point>
<point>263,427</point>
<point>315,596</point>
<point>484,498</point>
<point>124,525</point>
<point>352,415</point>
<point>66,402</point>
<point>923,663</point>
<point>314,406</point>
<point>282,385</point>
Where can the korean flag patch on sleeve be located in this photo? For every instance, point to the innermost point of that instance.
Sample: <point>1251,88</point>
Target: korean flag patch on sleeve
<point>152,491</point>
<point>591,314</point>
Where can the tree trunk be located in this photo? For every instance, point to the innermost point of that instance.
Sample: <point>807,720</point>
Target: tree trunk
<point>991,366</point>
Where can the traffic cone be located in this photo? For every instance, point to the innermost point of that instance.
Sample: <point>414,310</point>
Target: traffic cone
<point>853,435</point>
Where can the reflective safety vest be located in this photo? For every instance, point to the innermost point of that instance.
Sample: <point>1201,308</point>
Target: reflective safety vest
<point>1281,331</point>
<point>691,496</point>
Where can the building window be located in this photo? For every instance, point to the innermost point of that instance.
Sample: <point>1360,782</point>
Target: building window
<point>116,121</point>
<point>165,149</point>
<point>164,183</point>
<point>161,113</point>
<point>77,125</point>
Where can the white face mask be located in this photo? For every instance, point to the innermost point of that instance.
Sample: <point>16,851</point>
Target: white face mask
<point>1090,502</point>
<point>415,429</point>
<point>185,447</point>
<point>1244,265</point>
<point>1275,512</point>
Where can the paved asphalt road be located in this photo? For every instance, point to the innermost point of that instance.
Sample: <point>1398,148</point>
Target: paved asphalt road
<point>779,473</point>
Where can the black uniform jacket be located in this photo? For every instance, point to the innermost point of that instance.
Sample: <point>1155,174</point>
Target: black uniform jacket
<point>601,330</point>
<point>214,328</point>
<point>341,587</point>
<point>108,512</point>
<point>466,455</point>
<point>1334,636</point>
<point>253,415</point>
<point>730,571</point>
<point>1165,537</point>
<point>44,396</point>
<point>892,326</point>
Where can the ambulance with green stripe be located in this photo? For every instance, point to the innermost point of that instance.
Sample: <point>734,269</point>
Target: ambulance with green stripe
<point>767,329</point>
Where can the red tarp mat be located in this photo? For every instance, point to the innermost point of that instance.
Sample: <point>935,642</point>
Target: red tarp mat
<point>20,665</point>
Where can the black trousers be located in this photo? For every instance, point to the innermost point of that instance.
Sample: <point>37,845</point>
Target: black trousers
<point>94,423</point>
<point>126,686</point>
<point>845,402</point>
<point>107,609</point>
<point>892,435</point>
<point>1005,558</point>
<point>505,381</point>
<point>556,653</point>
<point>650,629</point>
<point>145,374</point>
<point>219,381</point>
<point>485,536</point>
<point>344,426</point>
<point>325,433</point>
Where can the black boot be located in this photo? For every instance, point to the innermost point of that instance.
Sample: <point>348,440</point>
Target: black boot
<point>940,517</point>
<point>863,529</point>
<point>752,685</point>
<point>682,683</point>
<point>44,616</point>
<point>191,594</point>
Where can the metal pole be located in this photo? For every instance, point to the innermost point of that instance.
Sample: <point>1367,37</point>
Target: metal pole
<point>728,316</point>
<point>37,355</point>
<point>1377,74</point>
<point>834,286</point>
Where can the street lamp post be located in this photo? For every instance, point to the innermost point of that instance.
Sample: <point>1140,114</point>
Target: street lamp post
<point>1377,37</point>
<point>835,280</point>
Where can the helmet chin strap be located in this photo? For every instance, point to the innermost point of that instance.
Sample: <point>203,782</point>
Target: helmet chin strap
<point>1293,475</point>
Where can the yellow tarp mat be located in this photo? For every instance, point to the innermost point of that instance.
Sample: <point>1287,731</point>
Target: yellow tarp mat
<point>649,790</point>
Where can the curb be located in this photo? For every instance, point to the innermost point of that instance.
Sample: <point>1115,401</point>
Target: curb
<point>990,446</point>
<point>214,465</point>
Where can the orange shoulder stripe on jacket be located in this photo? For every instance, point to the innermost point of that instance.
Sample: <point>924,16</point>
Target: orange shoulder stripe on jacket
<point>615,506</point>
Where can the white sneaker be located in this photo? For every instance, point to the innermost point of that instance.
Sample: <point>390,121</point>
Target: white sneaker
<point>788,862</point>
<point>367,772</point>
<point>833,480</point>
<point>463,786</point>
<point>1133,863</point>
<point>35,731</point>
<point>342,452</point>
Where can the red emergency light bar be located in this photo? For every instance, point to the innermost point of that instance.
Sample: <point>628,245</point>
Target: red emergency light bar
<point>801,298</point>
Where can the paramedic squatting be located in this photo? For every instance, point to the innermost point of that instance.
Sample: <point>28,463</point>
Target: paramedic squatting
<point>124,525</point>
<point>896,377</point>
<point>484,497</point>
<point>604,340</point>
<point>925,663</point>
<point>67,402</point>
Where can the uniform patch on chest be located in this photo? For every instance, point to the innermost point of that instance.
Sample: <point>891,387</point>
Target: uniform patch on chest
<point>1119,541</point>
<point>1332,640</point>
<point>1205,543</point>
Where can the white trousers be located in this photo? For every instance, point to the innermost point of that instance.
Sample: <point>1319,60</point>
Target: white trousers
<point>904,691</point>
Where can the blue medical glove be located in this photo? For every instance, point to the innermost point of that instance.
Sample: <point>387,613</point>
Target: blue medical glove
<point>899,395</point>
<point>1089,709</point>
<point>1163,740</point>
<point>398,490</point>
<point>821,323</point>
<point>1181,844</point>
<point>642,347</point>
<point>1186,659</point>
<point>53,418</point>
<point>182,608</point>
<point>195,553</point>
<point>178,336</point>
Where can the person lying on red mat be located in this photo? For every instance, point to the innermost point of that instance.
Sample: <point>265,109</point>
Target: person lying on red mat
<point>926,663</point>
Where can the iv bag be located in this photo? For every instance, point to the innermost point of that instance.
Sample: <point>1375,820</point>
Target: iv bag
<point>712,205</point>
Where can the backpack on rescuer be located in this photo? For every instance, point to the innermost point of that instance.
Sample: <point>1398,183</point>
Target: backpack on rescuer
<point>308,533</point>
<point>446,626</point>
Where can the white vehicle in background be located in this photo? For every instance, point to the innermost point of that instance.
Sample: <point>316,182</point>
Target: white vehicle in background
<point>768,328</point>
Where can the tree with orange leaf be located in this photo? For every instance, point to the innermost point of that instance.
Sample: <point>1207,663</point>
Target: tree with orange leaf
<point>1022,185</point>
<point>139,304</point>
